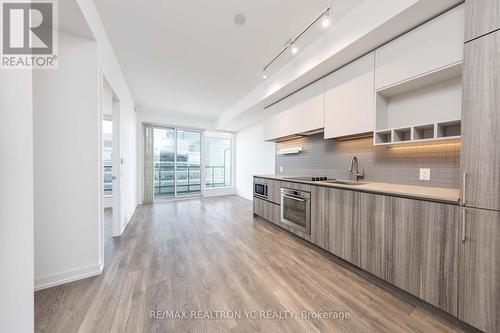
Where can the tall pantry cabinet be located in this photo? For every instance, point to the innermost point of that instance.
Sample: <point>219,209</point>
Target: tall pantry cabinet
<point>479,249</point>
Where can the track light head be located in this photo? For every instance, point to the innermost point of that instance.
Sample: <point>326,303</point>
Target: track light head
<point>325,23</point>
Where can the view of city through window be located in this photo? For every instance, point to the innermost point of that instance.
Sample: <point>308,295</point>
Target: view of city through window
<point>177,159</point>
<point>107,136</point>
<point>218,159</point>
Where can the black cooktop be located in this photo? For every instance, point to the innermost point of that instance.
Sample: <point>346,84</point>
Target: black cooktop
<point>310,179</point>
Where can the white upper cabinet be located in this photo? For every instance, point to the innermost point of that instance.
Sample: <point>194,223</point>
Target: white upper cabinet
<point>350,99</point>
<point>298,113</point>
<point>435,44</point>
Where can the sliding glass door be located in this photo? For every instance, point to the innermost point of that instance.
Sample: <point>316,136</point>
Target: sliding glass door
<point>188,163</point>
<point>164,162</point>
<point>177,156</point>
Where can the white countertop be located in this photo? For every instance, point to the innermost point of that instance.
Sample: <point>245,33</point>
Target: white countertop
<point>440,194</point>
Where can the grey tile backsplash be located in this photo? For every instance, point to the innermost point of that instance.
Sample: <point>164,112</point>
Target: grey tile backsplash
<point>399,165</point>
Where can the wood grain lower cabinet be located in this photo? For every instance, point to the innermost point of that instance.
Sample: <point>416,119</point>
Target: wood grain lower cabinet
<point>334,222</point>
<point>343,226</point>
<point>373,216</point>
<point>479,292</point>
<point>267,210</point>
<point>320,200</point>
<point>439,255</point>
<point>412,244</point>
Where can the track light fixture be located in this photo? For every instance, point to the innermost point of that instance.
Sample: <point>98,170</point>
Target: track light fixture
<point>325,22</point>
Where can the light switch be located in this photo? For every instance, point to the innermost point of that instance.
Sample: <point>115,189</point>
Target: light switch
<point>425,174</point>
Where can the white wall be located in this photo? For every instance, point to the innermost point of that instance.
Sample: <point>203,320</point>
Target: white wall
<point>16,201</point>
<point>67,169</point>
<point>254,156</point>
<point>110,69</point>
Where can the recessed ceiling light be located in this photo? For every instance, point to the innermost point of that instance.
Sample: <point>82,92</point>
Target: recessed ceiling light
<point>239,19</point>
<point>294,49</point>
<point>264,76</point>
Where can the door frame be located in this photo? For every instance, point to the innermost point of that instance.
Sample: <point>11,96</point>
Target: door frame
<point>117,173</point>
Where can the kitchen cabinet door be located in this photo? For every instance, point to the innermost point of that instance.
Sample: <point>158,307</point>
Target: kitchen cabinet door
<point>320,208</point>
<point>422,251</point>
<point>350,98</point>
<point>343,226</point>
<point>479,292</point>
<point>267,210</point>
<point>481,17</point>
<point>300,112</point>
<point>373,214</point>
<point>433,45</point>
<point>480,155</point>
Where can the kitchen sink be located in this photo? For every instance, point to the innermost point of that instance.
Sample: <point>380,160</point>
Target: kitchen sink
<point>344,182</point>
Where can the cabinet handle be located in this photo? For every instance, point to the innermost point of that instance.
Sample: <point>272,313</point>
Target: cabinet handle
<point>293,198</point>
<point>464,211</point>
<point>464,186</point>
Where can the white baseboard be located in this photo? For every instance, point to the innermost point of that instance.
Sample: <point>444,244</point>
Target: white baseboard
<point>127,220</point>
<point>217,192</point>
<point>53,280</point>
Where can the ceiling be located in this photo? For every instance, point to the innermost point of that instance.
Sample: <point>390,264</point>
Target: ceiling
<point>190,56</point>
<point>71,19</point>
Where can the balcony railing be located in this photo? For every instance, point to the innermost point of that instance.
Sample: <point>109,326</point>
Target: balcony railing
<point>108,179</point>
<point>188,178</point>
<point>215,176</point>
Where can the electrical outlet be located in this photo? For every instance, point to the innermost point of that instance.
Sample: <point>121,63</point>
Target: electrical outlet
<point>281,168</point>
<point>425,174</point>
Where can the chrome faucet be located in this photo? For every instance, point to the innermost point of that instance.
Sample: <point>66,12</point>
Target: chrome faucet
<point>357,174</point>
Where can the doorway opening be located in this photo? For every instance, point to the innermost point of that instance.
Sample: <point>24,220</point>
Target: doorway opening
<point>110,164</point>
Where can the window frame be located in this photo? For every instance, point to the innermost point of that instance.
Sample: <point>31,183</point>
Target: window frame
<point>206,135</point>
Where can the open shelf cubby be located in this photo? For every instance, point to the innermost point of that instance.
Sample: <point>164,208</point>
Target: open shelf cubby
<point>383,137</point>
<point>449,129</point>
<point>402,134</point>
<point>420,109</point>
<point>423,132</point>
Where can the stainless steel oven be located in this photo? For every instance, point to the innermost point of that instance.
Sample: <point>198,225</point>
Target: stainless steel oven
<point>260,190</point>
<point>296,209</point>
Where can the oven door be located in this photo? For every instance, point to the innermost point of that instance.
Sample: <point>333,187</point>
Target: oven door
<point>296,212</point>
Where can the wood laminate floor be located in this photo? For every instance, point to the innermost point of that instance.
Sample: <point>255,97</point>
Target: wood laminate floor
<point>213,255</point>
